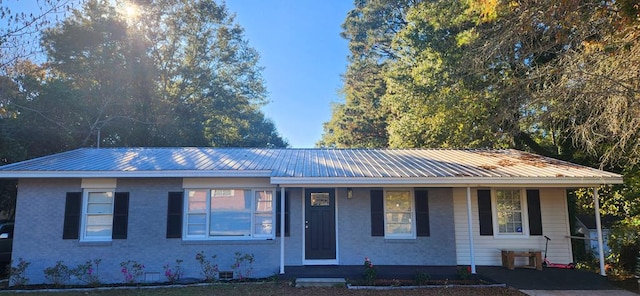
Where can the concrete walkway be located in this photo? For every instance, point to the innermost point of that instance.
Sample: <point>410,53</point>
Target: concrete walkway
<point>578,292</point>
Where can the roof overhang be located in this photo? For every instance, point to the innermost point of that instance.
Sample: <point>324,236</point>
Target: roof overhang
<point>134,174</point>
<point>568,182</point>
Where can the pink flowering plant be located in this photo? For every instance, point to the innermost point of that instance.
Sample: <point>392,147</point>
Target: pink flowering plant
<point>243,265</point>
<point>173,273</point>
<point>88,272</point>
<point>207,267</point>
<point>369,271</point>
<point>131,271</point>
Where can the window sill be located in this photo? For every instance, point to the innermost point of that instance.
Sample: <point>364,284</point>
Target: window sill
<point>230,242</point>
<point>511,236</point>
<point>400,240</point>
<point>94,244</point>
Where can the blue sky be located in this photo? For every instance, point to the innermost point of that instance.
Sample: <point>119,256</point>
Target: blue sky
<point>303,56</point>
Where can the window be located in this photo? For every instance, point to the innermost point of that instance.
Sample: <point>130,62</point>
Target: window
<point>229,214</point>
<point>399,214</point>
<point>97,215</point>
<point>510,212</point>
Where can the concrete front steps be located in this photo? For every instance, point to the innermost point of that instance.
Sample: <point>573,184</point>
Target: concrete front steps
<point>320,282</point>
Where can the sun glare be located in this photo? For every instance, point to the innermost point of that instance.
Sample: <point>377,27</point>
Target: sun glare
<point>130,10</point>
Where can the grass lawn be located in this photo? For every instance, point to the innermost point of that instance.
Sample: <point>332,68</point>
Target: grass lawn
<point>278,288</point>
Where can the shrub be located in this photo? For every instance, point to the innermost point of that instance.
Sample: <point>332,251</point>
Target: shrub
<point>131,270</point>
<point>58,275</point>
<point>208,269</point>
<point>17,273</point>
<point>88,272</point>
<point>625,243</point>
<point>422,278</point>
<point>174,274</point>
<point>243,265</point>
<point>369,272</point>
<point>464,272</point>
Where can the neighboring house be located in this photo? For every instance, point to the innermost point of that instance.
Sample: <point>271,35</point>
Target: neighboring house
<point>397,207</point>
<point>586,226</point>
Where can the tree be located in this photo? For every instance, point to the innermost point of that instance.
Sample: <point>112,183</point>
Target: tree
<point>20,29</point>
<point>361,120</point>
<point>178,73</point>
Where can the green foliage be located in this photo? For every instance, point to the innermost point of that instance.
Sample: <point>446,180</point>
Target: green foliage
<point>421,278</point>
<point>464,272</point>
<point>58,275</point>
<point>173,273</point>
<point>624,241</point>
<point>242,265</point>
<point>370,274</point>
<point>17,272</point>
<point>131,271</point>
<point>180,73</point>
<point>208,269</point>
<point>89,272</point>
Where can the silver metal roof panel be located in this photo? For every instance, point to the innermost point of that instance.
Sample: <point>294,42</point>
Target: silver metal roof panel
<point>310,165</point>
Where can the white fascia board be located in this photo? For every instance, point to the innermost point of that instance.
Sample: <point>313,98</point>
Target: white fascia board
<point>131,174</point>
<point>451,181</point>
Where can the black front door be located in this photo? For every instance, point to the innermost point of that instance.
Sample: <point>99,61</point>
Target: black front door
<point>320,224</point>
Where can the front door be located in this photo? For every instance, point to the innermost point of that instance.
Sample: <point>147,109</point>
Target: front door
<point>320,224</point>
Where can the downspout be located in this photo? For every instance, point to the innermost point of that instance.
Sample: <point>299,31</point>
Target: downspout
<point>596,205</point>
<point>470,225</point>
<point>282,226</point>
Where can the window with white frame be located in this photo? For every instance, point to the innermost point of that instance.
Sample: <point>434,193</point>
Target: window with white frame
<point>399,214</point>
<point>97,215</point>
<point>510,214</point>
<point>229,214</point>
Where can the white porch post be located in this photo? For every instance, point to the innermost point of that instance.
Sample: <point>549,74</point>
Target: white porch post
<point>282,226</point>
<point>470,225</point>
<point>596,206</point>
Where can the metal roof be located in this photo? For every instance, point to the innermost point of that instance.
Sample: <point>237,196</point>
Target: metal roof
<point>354,167</point>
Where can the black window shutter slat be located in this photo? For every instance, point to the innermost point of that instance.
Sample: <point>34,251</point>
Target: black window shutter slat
<point>174,215</point>
<point>72,213</point>
<point>286,213</point>
<point>120,215</point>
<point>377,213</point>
<point>535,214</point>
<point>422,212</point>
<point>484,212</point>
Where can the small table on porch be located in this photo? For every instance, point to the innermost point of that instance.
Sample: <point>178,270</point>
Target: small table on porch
<point>535,258</point>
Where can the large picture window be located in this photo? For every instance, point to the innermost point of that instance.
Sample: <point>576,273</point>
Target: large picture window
<point>97,213</point>
<point>399,214</point>
<point>229,214</point>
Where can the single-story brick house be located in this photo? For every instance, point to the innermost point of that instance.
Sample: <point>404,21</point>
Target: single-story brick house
<point>409,207</point>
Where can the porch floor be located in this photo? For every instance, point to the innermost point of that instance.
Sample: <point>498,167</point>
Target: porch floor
<point>547,279</point>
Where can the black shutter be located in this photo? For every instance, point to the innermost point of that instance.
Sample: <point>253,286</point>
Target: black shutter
<point>286,213</point>
<point>535,214</point>
<point>72,212</point>
<point>484,212</point>
<point>120,215</point>
<point>174,215</point>
<point>377,213</point>
<point>422,212</point>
